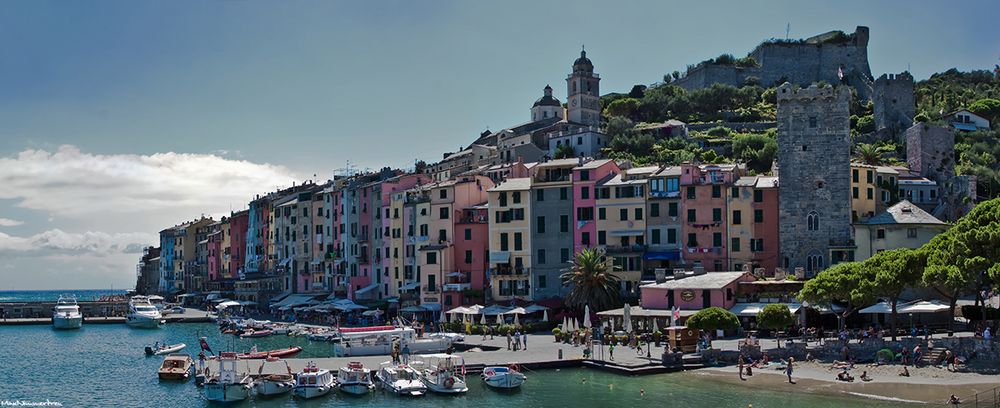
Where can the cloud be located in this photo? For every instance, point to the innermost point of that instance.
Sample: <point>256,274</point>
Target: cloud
<point>7,222</point>
<point>56,242</point>
<point>74,184</point>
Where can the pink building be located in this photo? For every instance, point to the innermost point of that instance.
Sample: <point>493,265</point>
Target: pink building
<point>704,190</point>
<point>692,292</point>
<point>238,224</point>
<point>215,254</point>
<point>469,239</point>
<point>585,179</point>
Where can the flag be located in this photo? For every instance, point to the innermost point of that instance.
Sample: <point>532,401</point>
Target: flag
<point>463,369</point>
<point>840,73</point>
<point>204,345</point>
<point>253,349</point>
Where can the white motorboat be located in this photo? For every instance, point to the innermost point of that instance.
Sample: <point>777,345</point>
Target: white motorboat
<point>503,377</point>
<point>160,350</point>
<point>143,314</point>
<point>400,379</point>
<point>313,382</point>
<point>176,367</point>
<point>377,341</point>
<point>355,379</point>
<point>228,385</point>
<point>66,314</point>
<point>443,373</point>
<point>274,384</point>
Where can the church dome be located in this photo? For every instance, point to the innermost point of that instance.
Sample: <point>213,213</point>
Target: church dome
<point>583,63</point>
<point>548,99</point>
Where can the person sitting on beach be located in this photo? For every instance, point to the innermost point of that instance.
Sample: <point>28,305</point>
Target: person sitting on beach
<point>954,400</point>
<point>865,377</point>
<point>905,372</point>
<point>845,376</point>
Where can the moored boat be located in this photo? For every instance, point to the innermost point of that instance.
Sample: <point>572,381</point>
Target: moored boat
<point>378,340</point>
<point>443,373</point>
<point>66,314</point>
<point>313,382</point>
<point>256,333</point>
<point>228,385</point>
<point>273,384</point>
<point>176,367</point>
<point>142,314</point>
<point>280,353</point>
<point>509,377</point>
<point>164,349</point>
<point>355,379</point>
<point>400,379</point>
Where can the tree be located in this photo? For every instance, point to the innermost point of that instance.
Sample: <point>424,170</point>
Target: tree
<point>756,150</point>
<point>775,316</point>
<point>988,108</point>
<point>626,107</point>
<point>712,319</point>
<point>841,283</point>
<point>565,151</point>
<point>592,281</point>
<point>894,271</point>
<point>964,258</point>
<point>870,154</point>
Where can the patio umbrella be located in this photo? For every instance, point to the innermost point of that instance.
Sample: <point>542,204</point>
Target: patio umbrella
<point>586,316</point>
<point>565,324</point>
<point>482,319</point>
<point>545,315</point>
<point>655,327</point>
<point>924,306</point>
<point>442,319</point>
<point>499,319</point>
<point>627,318</point>
<point>516,322</point>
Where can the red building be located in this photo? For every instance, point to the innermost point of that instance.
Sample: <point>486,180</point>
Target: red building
<point>238,225</point>
<point>704,191</point>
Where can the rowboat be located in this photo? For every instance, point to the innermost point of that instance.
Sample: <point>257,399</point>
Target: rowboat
<point>164,349</point>
<point>282,353</point>
<point>256,333</point>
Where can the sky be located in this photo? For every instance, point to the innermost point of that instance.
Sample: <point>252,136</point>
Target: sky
<point>120,118</point>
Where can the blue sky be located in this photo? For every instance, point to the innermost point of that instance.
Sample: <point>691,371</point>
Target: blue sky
<point>297,88</point>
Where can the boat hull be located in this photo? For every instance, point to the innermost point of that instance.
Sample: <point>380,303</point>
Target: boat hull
<point>405,388</point>
<point>423,346</point>
<point>504,381</point>
<point>458,387</point>
<point>312,392</point>
<point>67,323</point>
<point>269,388</point>
<point>142,322</point>
<point>227,392</point>
<point>356,388</point>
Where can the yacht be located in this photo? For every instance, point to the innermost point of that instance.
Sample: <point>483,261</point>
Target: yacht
<point>355,379</point>
<point>66,314</point>
<point>228,385</point>
<point>313,382</point>
<point>378,340</point>
<point>143,314</point>
<point>400,379</point>
<point>443,373</point>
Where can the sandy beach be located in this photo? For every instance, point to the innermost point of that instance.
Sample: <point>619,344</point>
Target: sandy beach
<point>925,384</point>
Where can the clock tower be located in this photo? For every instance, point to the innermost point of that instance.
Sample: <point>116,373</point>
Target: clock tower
<point>583,93</point>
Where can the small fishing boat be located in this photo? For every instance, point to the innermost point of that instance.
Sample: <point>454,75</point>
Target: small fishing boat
<point>355,379</point>
<point>443,373</point>
<point>256,334</point>
<point>228,385</point>
<point>176,367</point>
<point>66,314</point>
<point>164,349</point>
<point>313,382</point>
<point>273,384</point>
<point>509,377</point>
<point>280,353</point>
<point>400,379</point>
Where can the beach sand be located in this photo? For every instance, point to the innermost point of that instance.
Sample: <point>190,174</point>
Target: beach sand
<point>925,384</point>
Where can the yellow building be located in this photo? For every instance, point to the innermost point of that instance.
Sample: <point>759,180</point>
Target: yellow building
<point>621,223</point>
<point>225,229</point>
<point>903,225</point>
<point>872,188</point>
<point>510,239</point>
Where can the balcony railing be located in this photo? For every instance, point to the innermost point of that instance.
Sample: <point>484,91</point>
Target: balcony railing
<point>514,291</point>
<point>457,287</point>
<point>664,194</point>
<point>619,249</point>
<point>474,219</point>
<point>510,271</point>
<point>430,289</point>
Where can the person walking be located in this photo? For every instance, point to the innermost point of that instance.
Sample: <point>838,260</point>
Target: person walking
<point>508,340</point>
<point>517,340</point>
<point>611,352</point>
<point>788,369</point>
<point>406,354</point>
<point>524,340</point>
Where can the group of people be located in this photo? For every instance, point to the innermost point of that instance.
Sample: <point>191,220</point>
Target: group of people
<point>747,364</point>
<point>517,341</point>
<point>400,355</point>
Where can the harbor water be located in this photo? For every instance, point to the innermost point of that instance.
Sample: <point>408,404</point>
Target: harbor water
<point>53,295</point>
<point>104,365</point>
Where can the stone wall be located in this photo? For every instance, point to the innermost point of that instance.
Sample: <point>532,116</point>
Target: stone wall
<point>814,157</point>
<point>930,151</point>
<point>894,103</point>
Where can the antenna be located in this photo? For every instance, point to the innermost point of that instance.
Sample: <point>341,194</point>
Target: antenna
<point>788,27</point>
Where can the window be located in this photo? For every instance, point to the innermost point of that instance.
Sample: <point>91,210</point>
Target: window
<point>431,257</point>
<point>716,214</point>
<point>880,233</point>
<point>756,245</point>
<point>623,214</point>
<point>443,194</point>
<point>443,211</point>
<point>814,262</point>
<point>585,213</point>
<point>585,193</point>
<point>468,257</point>
<point>584,175</point>
<point>638,214</point>
<point>735,244</point>
<point>654,238</point>
<point>716,191</point>
<point>717,240</point>
<point>812,221</point>
<point>671,236</point>
<point>734,192</point>
<point>690,192</point>
<point>758,216</point>
<point>692,240</point>
<point>585,238</point>
<point>539,195</point>
<point>503,241</point>
<point>911,232</point>
<point>602,238</point>
<point>868,176</point>
<point>468,234</point>
<point>442,235</point>
<point>654,210</point>
<point>737,217</point>
<point>502,198</point>
<point>564,255</point>
<point>812,122</point>
<point>672,209</point>
<point>758,196</point>
<point>870,193</point>
<point>854,176</point>
<point>540,225</point>
<point>541,256</point>
<point>579,140</point>
<point>854,192</point>
<point>692,215</point>
<point>602,213</point>
<point>563,193</point>
<point>516,196</point>
<point>541,281</point>
<point>517,241</point>
<point>563,223</point>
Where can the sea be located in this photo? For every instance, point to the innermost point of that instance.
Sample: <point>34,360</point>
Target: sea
<point>53,295</point>
<point>104,366</point>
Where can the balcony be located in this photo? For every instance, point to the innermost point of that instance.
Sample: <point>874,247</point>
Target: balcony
<point>474,219</point>
<point>627,249</point>
<point>664,194</point>
<point>429,289</point>
<point>457,287</point>
<point>317,285</point>
<point>510,271</point>
<point>842,243</point>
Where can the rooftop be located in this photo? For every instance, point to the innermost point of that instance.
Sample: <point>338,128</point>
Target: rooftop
<point>904,212</point>
<point>593,164</point>
<point>708,280</point>
<point>513,184</point>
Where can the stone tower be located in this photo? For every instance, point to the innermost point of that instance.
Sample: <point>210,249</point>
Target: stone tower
<point>546,106</point>
<point>815,191</point>
<point>583,90</point>
<point>894,103</point>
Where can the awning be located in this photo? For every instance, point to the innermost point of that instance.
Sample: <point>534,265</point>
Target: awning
<point>639,311</point>
<point>499,257</point>
<point>831,308</point>
<point>924,306</point>
<point>626,233</point>
<point>410,286</point>
<point>964,126</point>
<point>413,309</point>
<point>285,262</point>
<point>213,296</point>
<point>366,289</point>
<point>227,303</point>
<point>431,306</point>
<point>662,256</point>
<point>878,308</point>
<point>752,309</point>
<point>294,300</point>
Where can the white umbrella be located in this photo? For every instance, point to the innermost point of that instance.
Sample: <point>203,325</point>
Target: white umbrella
<point>573,324</point>
<point>565,324</point>
<point>627,318</point>
<point>586,316</point>
<point>655,327</point>
<point>878,308</point>
<point>482,319</point>
<point>443,319</point>
<point>924,306</point>
<point>545,315</point>
<point>499,319</point>
<point>516,322</point>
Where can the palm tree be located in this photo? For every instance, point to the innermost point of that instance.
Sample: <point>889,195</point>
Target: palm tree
<point>592,280</point>
<point>870,154</point>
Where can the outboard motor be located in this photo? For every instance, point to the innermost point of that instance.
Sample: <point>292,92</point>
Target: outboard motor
<point>149,351</point>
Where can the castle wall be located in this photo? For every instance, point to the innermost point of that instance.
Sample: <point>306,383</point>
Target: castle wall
<point>894,102</point>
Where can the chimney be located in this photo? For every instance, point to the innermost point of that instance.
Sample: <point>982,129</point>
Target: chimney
<point>699,270</point>
<point>661,275</point>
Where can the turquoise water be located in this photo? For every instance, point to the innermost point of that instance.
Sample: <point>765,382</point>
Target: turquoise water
<point>103,365</point>
<point>53,295</point>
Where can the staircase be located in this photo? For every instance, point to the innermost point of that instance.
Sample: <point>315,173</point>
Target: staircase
<point>933,357</point>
